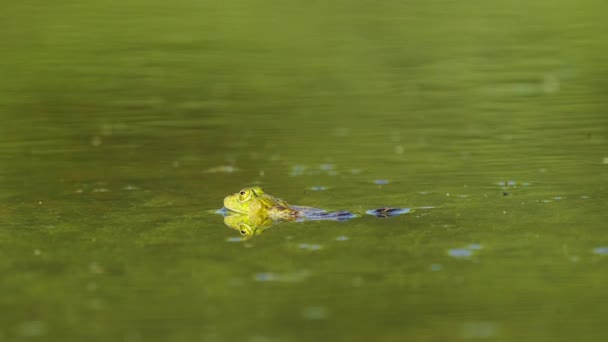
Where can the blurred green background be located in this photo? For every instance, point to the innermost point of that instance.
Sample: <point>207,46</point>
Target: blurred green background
<point>125,123</point>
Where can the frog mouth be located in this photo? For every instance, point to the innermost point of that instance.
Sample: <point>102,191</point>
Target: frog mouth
<point>230,208</point>
<point>234,210</point>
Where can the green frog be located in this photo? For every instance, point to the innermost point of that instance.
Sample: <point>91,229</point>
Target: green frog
<point>259,206</point>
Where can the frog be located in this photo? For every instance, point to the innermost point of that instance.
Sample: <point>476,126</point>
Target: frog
<point>246,226</point>
<point>256,204</point>
<point>252,211</point>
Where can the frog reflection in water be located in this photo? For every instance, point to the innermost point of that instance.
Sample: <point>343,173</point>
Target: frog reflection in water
<point>251,211</point>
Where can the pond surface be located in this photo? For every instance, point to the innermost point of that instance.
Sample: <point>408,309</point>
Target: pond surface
<point>124,125</point>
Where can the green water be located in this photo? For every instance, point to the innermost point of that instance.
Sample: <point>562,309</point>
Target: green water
<point>123,124</point>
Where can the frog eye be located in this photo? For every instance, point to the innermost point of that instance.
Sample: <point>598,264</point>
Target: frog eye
<point>245,230</point>
<point>244,195</point>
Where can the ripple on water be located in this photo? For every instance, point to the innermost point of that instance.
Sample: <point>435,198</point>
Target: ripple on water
<point>465,252</point>
<point>388,212</point>
<point>289,277</point>
<point>601,250</point>
<point>310,247</point>
<point>460,253</point>
<point>436,267</point>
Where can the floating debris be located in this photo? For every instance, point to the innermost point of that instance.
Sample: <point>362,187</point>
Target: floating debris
<point>100,190</point>
<point>310,247</point>
<point>388,212</point>
<point>292,277</point>
<point>381,181</point>
<point>460,253</point>
<point>298,170</point>
<point>475,246</point>
<point>465,252</point>
<point>222,169</point>
<point>601,250</point>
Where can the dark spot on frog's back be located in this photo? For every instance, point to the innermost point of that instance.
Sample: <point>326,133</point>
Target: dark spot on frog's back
<point>388,212</point>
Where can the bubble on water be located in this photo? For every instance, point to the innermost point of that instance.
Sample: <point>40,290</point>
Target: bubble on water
<point>381,181</point>
<point>342,238</point>
<point>32,329</point>
<point>601,250</point>
<point>314,313</point>
<point>460,253</point>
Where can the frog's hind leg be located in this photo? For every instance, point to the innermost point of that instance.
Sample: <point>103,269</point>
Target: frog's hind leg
<point>283,213</point>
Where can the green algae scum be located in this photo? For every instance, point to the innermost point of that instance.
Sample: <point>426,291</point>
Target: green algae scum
<point>124,125</point>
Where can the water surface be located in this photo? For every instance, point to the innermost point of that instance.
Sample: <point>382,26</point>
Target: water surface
<point>125,125</point>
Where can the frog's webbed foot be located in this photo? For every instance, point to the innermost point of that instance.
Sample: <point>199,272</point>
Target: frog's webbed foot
<point>388,212</point>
